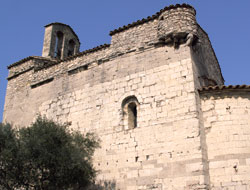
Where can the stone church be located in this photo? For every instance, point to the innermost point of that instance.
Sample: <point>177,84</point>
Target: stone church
<point>155,96</point>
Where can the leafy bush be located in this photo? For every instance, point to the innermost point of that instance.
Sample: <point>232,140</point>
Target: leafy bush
<point>47,156</point>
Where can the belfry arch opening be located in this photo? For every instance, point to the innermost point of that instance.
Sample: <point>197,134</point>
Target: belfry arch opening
<point>58,45</point>
<point>130,112</point>
<point>71,49</point>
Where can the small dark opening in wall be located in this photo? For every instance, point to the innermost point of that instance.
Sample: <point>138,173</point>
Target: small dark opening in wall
<point>132,115</point>
<point>41,83</point>
<point>78,69</point>
<point>130,106</point>
<point>58,45</point>
<point>136,158</point>
<point>71,48</point>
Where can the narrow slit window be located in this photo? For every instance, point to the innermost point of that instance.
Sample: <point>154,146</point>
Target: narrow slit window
<point>58,45</point>
<point>71,49</point>
<point>132,115</point>
<point>130,112</point>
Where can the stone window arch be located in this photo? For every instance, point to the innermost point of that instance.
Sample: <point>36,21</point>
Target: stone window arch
<point>130,108</point>
<point>58,45</point>
<point>71,48</point>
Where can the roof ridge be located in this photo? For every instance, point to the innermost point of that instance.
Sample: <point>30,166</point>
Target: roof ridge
<point>120,29</point>
<point>27,59</point>
<point>222,87</point>
<point>94,49</point>
<point>59,61</point>
<point>149,18</point>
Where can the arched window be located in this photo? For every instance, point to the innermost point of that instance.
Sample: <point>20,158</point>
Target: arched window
<point>130,110</point>
<point>71,48</point>
<point>132,115</point>
<point>58,45</point>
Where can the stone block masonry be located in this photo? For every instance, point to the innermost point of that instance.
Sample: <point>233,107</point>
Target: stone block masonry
<point>227,125</point>
<point>146,96</point>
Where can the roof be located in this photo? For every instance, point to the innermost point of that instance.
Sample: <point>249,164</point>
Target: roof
<point>223,87</point>
<point>144,20</point>
<point>56,60</point>
<point>27,59</point>
<point>59,23</point>
<point>97,48</point>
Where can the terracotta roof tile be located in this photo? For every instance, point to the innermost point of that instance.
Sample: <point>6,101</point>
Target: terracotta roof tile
<point>86,52</point>
<point>223,87</point>
<point>149,18</point>
<point>27,59</point>
<point>58,61</point>
<point>120,29</point>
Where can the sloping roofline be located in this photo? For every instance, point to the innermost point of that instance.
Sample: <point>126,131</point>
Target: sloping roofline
<point>58,61</point>
<point>223,87</point>
<point>59,23</point>
<point>149,18</point>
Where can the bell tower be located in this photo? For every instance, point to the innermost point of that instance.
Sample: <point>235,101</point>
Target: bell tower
<point>60,41</point>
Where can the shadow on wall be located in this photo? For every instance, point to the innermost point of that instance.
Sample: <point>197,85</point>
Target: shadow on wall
<point>233,94</point>
<point>103,185</point>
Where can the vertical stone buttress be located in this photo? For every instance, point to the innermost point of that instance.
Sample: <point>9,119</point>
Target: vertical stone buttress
<point>178,28</point>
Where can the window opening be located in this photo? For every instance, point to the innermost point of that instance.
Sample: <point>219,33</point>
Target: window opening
<point>71,49</point>
<point>130,111</point>
<point>58,45</point>
<point>132,115</point>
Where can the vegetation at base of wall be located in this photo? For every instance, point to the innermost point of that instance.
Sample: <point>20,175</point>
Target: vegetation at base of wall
<point>45,155</point>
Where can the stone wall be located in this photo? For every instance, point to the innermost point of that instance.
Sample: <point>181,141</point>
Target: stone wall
<point>173,144</point>
<point>227,125</point>
<point>139,36</point>
<point>91,99</point>
<point>177,24</point>
<point>207,67</point>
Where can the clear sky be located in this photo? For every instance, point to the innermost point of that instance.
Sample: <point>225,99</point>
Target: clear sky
<point>227,23</point>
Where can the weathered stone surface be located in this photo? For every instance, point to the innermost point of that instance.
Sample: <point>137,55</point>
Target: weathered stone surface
<point>140,96</point>
<point>227,125</point>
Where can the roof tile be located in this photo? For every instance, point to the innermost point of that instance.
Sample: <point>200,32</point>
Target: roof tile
<point>57,60</point>
<point>149,18</point>
<point>223,87</point>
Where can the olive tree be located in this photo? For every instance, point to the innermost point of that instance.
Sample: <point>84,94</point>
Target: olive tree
<point>46,155</point>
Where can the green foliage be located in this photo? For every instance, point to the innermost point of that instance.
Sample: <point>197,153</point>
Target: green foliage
<point>8,154</point>
<point>47,156</point>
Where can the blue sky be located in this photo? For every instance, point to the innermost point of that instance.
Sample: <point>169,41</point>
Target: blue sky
<point>227,23</point>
